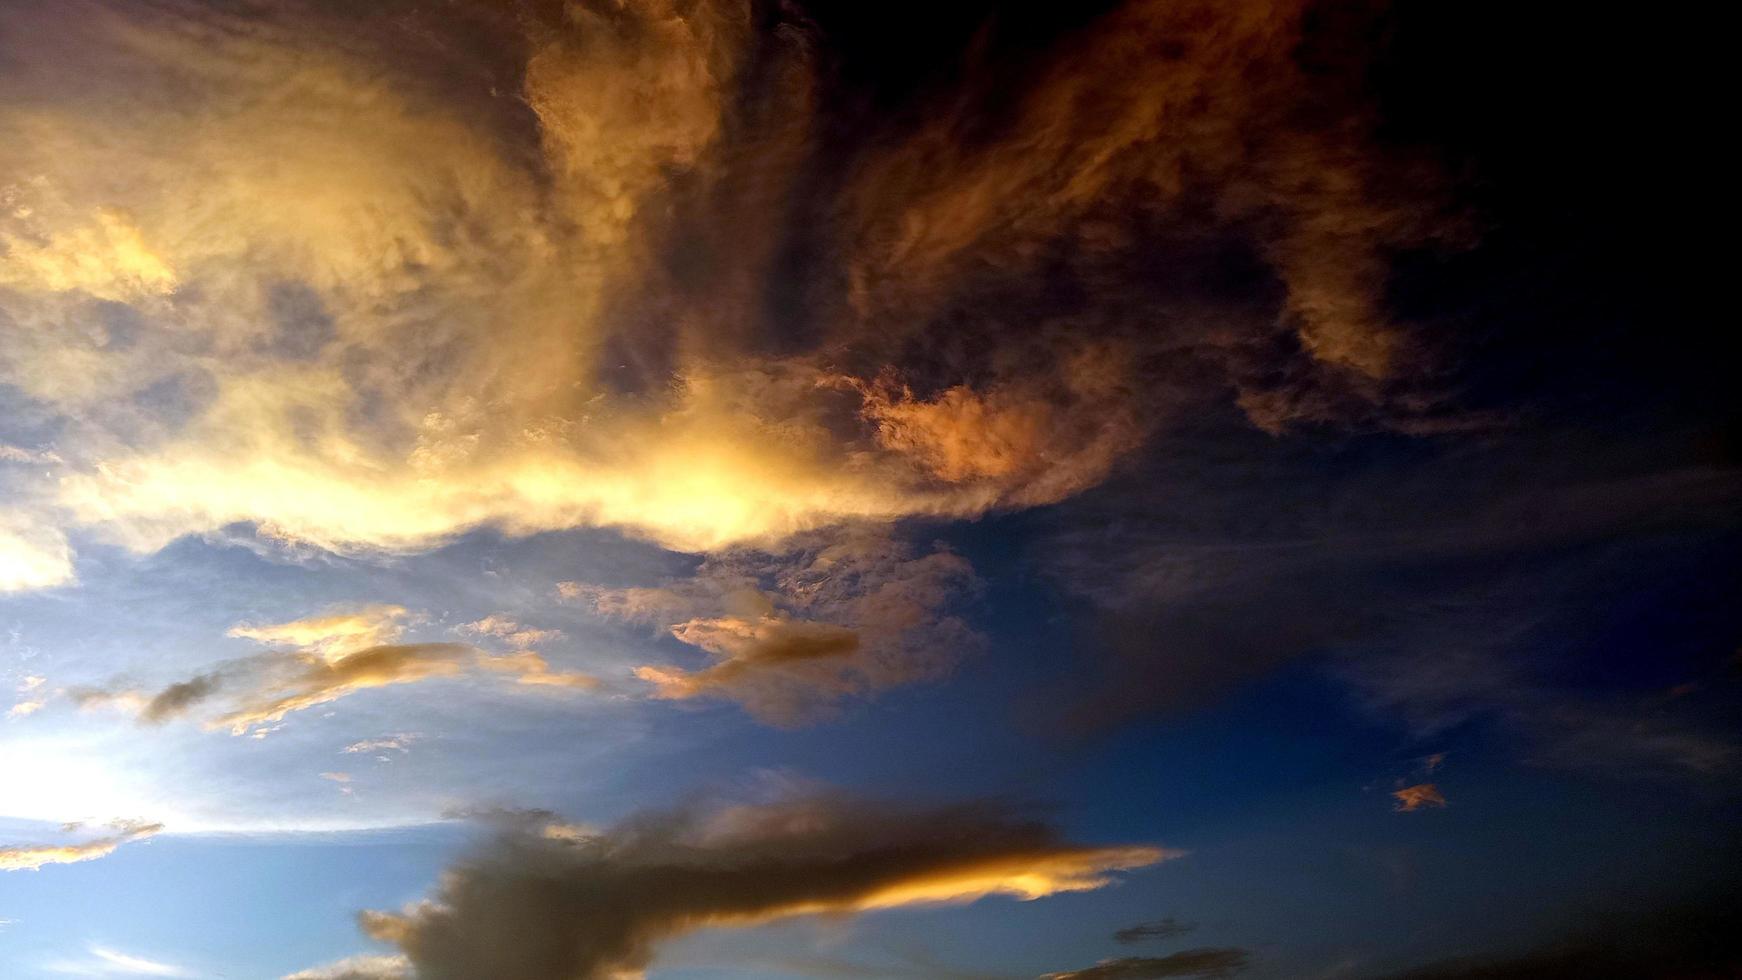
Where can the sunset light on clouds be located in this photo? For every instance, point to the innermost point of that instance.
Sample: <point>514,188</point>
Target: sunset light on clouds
<point>703,489</point>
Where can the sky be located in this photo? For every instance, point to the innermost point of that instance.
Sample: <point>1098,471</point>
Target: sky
<point>728,489</point>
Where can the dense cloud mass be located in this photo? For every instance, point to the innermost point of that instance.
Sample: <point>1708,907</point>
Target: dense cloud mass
<point>368,304</point>
<point>565,906</point>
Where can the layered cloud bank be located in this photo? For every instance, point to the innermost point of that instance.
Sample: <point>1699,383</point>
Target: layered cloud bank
<point>552,902</point>
<point>369,280</point>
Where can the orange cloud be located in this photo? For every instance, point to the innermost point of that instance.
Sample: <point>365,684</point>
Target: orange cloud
<point>1412,798</point>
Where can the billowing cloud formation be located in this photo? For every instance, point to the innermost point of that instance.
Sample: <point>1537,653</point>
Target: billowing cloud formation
<point>1186,963</point>
<point>1412,798</point>
<point>338,657</point>
<point>564,907</point>
<point>792,632</point>
<point>30,857</point>
<point>368,281</point>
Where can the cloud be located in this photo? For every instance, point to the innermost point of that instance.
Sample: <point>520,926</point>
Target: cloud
<point>400,743</point>
<point>34,856</point>
<point>24,709</point>
<point>32,556</point>
<point>540,907</point>
<point>370,281</point>
<point>1166,928</point>
<point>332,636</point>
<point>340,658</point>
<point>116,962</point>
<point>1412,798</point>
<point>793,632</point>
<point>358,968</point>
<point>508,631</point>
<point>1186,963</point>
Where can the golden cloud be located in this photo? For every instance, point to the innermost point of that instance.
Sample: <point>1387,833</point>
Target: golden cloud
<point>367,301</point>
<point>31,857</point>
<point>335,655</point>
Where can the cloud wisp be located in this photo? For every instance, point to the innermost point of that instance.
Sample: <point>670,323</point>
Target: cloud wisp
<point>31,857</point>
<point>339,655</point>
<point>792,633</point>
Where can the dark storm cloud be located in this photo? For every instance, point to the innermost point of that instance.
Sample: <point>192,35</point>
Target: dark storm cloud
<point>1186,963</point>
<point>555,903</point>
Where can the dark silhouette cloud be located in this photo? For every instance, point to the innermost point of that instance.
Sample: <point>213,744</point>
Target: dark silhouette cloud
<point>1186,963</point>
<point>552,902</point>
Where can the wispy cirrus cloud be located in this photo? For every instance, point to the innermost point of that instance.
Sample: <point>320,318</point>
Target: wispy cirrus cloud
<point>793,632</point>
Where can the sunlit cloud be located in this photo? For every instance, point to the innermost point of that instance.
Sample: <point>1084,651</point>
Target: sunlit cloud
<point>1421,796</point>
<point>32,556</point>
<point>31,857</point>
<point>358,968</point>
<point>105,962</point>
<point>336,655</point>
<point>333,636</point>
<point>508,631</point>
<point>597,904</point>
<point>792,633</point>
<point>400,743</point>
<point>360,314</point>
